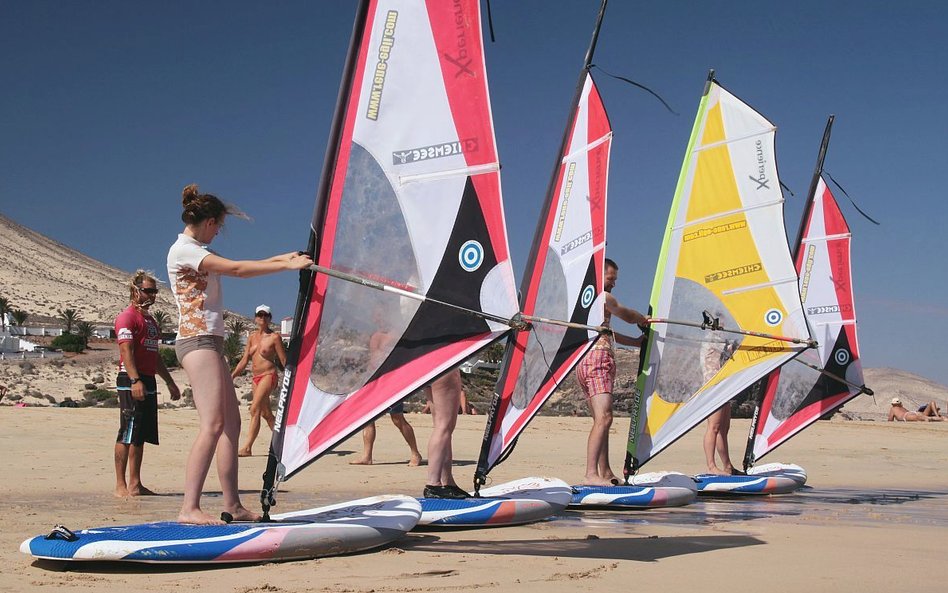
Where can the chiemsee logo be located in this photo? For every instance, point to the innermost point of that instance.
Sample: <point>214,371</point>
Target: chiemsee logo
<point>434,151</point>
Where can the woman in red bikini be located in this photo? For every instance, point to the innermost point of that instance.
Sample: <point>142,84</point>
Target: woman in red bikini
<point>265,350</point>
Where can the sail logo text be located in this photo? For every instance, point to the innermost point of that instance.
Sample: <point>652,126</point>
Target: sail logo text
<point>462,61</point>
<point>751,354</point>
<point>715,230</point>
<point>733,272</point>
<point>281,403</point>
<point>381,67</point>
<point>585,238</point>
<point>567,189</point>
<point>435,151</point>
<point>761,179</point>
<point>805,281</point>
<point>827,309</point>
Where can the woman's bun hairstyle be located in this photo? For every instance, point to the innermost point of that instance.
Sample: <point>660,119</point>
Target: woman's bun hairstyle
<point>199,207</point>
<point>189,194</point>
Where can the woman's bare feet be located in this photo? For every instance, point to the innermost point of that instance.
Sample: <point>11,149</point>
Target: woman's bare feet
<point>362,461</point>
<point>415,460</point>
<point>140,491</point>
<point>596,481</point>
<point>242,514</point>
<point>198,517</point>
<point>245,452</point>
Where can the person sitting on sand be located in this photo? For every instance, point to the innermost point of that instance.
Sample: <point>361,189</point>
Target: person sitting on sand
<point>138,337</point>
<point>265,350</point>
<point>380,345</point>
<point>596,374</point>
<point>927,413</point>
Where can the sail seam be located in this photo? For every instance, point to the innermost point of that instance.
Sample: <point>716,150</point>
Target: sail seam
<point>731,140</point>
<point>728,213</point>
<point>826,238</point>
<point>840,322</point>
<point>586,148</point>
<point>792,280</point>
<point>475,170</point>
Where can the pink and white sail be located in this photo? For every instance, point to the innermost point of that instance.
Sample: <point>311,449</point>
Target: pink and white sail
<point>410,198</point>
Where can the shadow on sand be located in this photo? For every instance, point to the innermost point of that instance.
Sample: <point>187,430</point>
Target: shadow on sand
<point>642,549</point>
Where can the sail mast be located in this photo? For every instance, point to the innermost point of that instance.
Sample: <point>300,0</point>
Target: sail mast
<point>516,350</point>
<point>811,194</point>
<point>273,472</point>
<point>632,463</point>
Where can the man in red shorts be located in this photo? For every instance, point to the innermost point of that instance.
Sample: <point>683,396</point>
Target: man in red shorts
<point>138,337</point>
<point>596,374</point>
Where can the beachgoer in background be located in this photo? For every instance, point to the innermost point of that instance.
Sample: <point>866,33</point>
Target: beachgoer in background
<point>195,274</point>
<point>380,346</point>
<point>444,399</point>
<point>596,374</point>
<point>138,337</point>
<point>713,356</point>
<point>3,391</point>
<point>927,413</point>
<point>265,350</point>
<point>397,414</point>
<point>463,406</point>
<point>931,410</point>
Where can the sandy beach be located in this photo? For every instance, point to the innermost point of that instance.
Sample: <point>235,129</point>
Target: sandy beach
<point>873,517</point>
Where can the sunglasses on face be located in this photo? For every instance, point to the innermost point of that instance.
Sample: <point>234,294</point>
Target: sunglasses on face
<point>149,290</point>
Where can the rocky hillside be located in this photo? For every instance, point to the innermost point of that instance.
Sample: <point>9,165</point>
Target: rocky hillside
<point>568,400</point>
<point>41,276</point>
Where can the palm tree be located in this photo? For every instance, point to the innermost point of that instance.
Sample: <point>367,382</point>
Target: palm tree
<point>19,316</point>
<point>85,330</point>
<point>237,326</point>
<point>162,319</point>
<point>494,353</point>
<point>5,307</point>
<point>233,346</point>
<point>70,317</point>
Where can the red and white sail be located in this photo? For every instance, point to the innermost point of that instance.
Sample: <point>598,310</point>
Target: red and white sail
<point>563,279</point>
<point>410,198</point>
<point>795,395</point>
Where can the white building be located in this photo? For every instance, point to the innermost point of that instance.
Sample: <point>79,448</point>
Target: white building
<point>286,327</point>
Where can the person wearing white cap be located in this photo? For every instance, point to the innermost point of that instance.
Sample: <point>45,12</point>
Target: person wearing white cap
<point>928,412</point>
<point>265,351</point>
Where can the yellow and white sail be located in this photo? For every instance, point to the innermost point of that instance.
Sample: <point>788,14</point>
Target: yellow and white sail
<point>725,257</point>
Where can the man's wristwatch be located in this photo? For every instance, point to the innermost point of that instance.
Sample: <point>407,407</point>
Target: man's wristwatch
<point>136,380</point>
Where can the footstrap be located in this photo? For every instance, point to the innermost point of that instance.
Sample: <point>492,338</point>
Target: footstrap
<point>62,532</point>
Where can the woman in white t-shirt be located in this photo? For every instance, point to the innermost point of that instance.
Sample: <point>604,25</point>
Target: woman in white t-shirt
<point>194,272</point>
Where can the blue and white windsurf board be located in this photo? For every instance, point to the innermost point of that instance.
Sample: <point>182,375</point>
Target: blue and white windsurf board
<point>512,503</point>
<point>326,531</point>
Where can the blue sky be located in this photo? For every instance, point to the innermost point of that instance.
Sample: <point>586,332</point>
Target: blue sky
<point>109,108</point>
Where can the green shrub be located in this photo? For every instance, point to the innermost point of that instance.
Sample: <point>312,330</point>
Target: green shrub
<point>69,343</point>
<point>96,396</point>
<point>168,357</point>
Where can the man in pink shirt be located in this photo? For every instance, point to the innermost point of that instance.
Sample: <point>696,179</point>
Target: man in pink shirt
<point>138,338</point>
